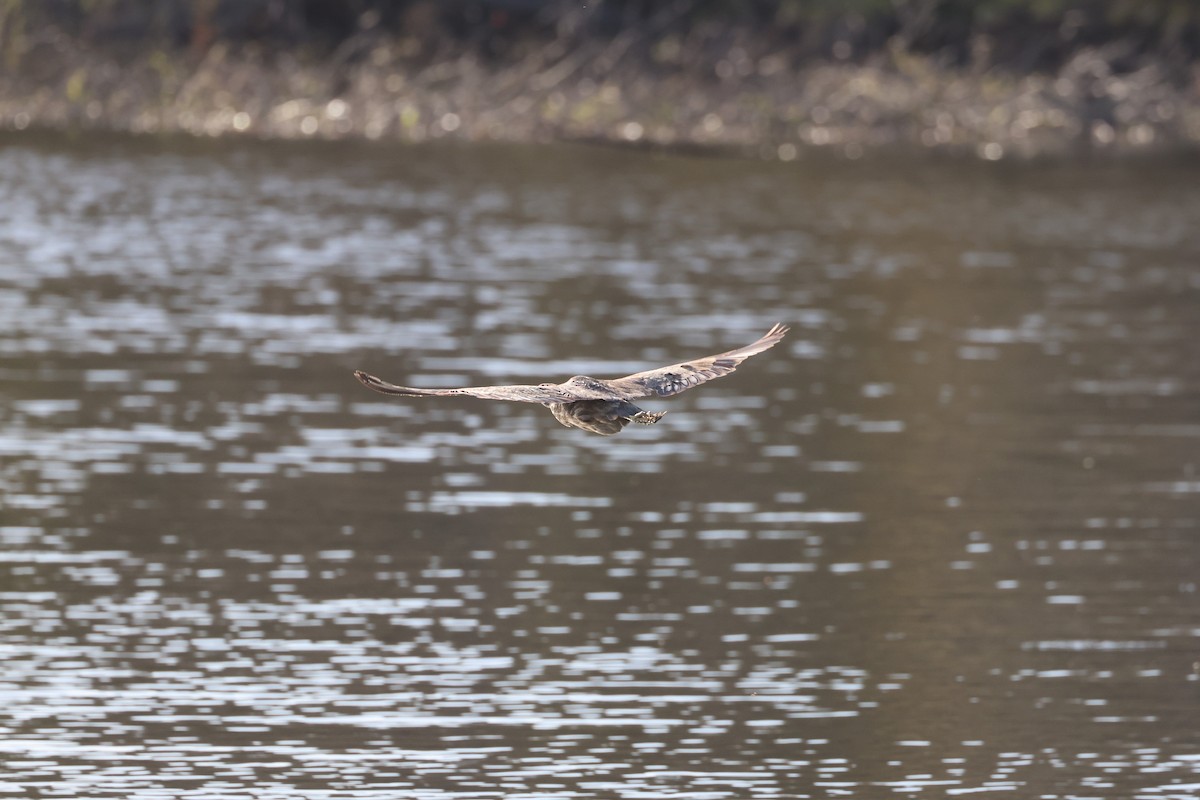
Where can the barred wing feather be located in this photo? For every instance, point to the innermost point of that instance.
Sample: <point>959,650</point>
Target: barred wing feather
<point>667,381</point>
<point>518,393</point>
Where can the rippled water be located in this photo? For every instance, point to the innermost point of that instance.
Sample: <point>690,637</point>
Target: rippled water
<point>942,541</point>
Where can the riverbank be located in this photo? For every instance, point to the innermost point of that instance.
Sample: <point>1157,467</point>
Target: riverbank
<point>743,94</point>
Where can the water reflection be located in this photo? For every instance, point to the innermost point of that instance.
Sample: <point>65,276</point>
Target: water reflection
<point>943,540</point>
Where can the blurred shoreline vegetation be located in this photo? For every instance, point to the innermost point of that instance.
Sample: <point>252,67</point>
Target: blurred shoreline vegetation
<point>781,78</point>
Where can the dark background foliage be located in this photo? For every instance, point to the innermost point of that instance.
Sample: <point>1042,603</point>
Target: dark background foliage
<point>1024,35</point>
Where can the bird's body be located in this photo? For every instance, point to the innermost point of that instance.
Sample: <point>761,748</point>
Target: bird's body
<point>604,417</point>
<point>597,405</point>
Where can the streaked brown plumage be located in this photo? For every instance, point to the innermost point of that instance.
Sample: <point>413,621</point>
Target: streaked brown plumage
<point>601,406</point>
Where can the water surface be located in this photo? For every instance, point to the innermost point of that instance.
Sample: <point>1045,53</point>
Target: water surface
<point>942,541</point>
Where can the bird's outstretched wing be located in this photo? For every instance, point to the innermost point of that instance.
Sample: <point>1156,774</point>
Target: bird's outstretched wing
<point>666,381</point>
<point>519,393</point>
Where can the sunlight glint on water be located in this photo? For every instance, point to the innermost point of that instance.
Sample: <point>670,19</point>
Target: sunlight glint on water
<point>942,540</point>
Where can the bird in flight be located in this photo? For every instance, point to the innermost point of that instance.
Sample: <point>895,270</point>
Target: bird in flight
<point>596,405</point>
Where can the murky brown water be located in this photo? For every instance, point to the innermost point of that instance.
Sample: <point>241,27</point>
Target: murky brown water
<point>945,540</point>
